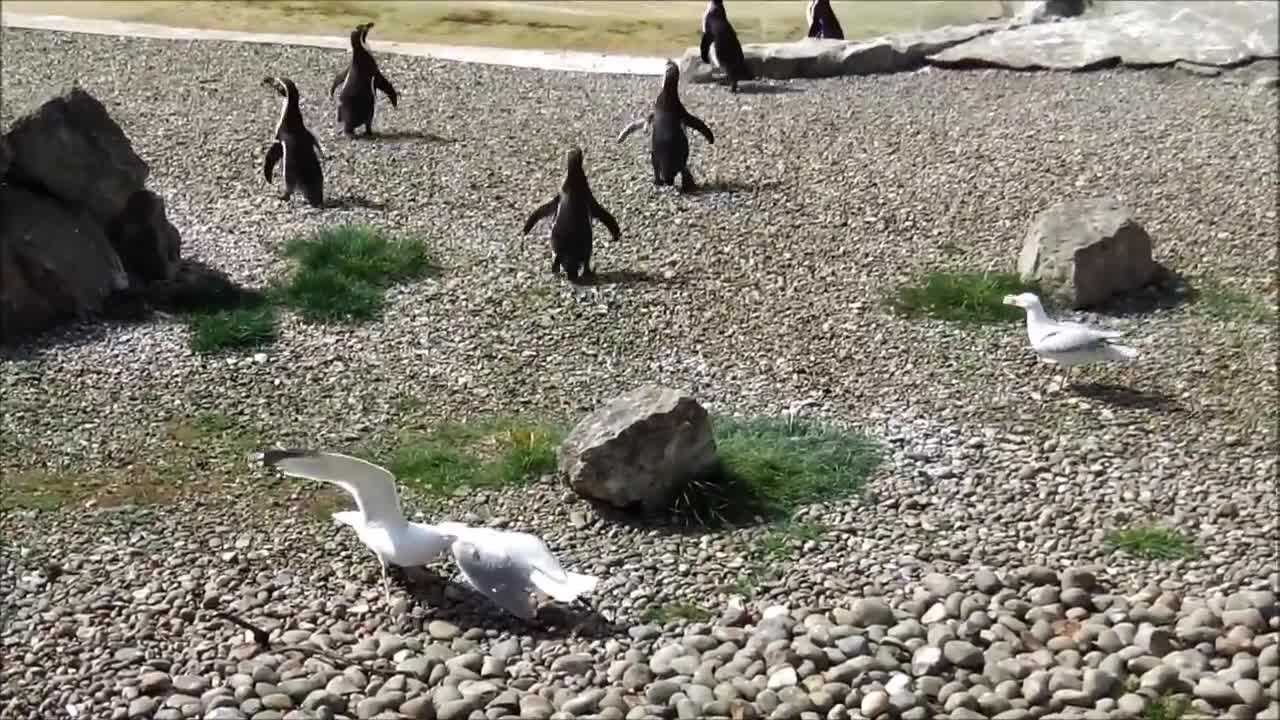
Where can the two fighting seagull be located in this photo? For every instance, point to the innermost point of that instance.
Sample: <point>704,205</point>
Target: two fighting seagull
<point>1068,344</point>
<point>503,565</point>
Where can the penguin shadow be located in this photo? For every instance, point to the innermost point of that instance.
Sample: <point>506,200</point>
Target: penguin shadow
<point>1120,396</point>
<point>404,136</point>
<point>630,277</point>
<point>730,187</point>
<point>444,599</point>
<point>762,88</point>
<point>354,202</point>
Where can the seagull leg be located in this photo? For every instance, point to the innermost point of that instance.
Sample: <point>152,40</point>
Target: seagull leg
<point>386,581</point>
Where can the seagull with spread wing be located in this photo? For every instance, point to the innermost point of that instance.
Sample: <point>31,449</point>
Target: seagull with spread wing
<point>507,567</point>
<point>378,521</point>
<point>1069,344</point>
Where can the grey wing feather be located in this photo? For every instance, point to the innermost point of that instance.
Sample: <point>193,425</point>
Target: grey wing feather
<point>500,580</point>
<point>274,153</point>
<point>373,487</point>
<point>1073,339</point>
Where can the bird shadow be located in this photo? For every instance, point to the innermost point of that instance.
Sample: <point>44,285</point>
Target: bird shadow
<point>465,607</point>
<point>355,202</point>
<point>730,187</point>
<point>405,136</point>
<point>630,277</point>
<point>1125,397</point>
<point>761,88</point>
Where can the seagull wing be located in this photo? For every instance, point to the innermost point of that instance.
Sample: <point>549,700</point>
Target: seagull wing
<point>373,487</point>
<point>1065,339</point>
<point>496,575</point>
<point>545,571</point>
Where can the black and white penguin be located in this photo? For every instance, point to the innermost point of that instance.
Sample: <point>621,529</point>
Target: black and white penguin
<point>822,22</point>
<point>294,147</point>
<point>359,80</point>
<point>669,149</point>
<point>717,31</point>
<point>571,212</point>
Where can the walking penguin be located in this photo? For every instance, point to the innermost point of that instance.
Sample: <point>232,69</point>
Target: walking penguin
<point>359,80</point>
<point>669,149</point>
<point>295,148</point>
<point>571,212</point>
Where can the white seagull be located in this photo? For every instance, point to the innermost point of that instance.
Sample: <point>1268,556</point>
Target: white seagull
<point>507,566</point>
<point>1069,344</point>
<point>379,522</point>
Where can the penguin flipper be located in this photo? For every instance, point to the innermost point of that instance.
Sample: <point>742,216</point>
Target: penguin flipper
<point>337,80</point>
<point>705,48</point>
<point>635,125</point>
<point>542,211</point>
<point>604,217</point>
<point>274,153</point>
<point>692,121</point>
<point>382,83</point>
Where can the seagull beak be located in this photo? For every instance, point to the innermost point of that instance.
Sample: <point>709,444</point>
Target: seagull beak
<point>1011,300</point>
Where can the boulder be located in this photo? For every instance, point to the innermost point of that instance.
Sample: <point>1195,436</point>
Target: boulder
<point>55,263</point>
<point>1084,251</point>
<point>815,58</point>
<point>148,245</point>
<point>639,450</point>
<point>72,149</point>
<point>1038,11</point>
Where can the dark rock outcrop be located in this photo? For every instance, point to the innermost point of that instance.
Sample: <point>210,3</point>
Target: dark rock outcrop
<point>78,223</point>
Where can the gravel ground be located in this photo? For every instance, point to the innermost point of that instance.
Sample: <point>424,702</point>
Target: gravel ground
<point>971,582</point>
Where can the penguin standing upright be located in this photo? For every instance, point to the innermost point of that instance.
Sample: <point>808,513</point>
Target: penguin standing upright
<point>359,80</point>
<point>822,22</point>
<point>717,31</point>
<point>669,149</point>
<point>571,211</point>
<point>294,147</point>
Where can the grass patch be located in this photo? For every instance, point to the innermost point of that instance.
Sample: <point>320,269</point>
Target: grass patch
<point>237,329</point>
<point>483,454</point>
<point>678,611</point>
<point>1166,707</point>
<point>769,468</point>
<point>37,491</point>
<point>49,491</point>
<point>1150,542</point>
<point>343,272</point>
<point>781,540</point>
<point>1223,303</point>
<point>970,297</point>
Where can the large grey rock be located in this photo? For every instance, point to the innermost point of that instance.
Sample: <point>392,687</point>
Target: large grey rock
<point>71,148</point>
<point>148,245</point>
<point>55,264</point>
<point>640,449</point>
<point>814,58</point>
<point>1084,251</point>
<point>1133,33</point>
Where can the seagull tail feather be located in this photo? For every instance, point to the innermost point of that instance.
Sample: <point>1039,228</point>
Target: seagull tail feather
<point>1122,353</point>
<point>567,590</point>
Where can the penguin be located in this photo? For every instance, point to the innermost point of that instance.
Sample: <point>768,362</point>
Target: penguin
<point>717,30</point>
<point>571,212</point>
<point>359,80</point>
<point>669,149</point>
<point>822,22</point>
<point>294,147</point>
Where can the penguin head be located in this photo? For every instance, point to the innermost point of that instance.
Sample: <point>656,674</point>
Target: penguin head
<point>284,87</point>
<point>671,73</point>
<point>573,159</point>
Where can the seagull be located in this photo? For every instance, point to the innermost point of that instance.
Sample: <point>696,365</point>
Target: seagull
<point>378,522</point>
<point>507,566</point>
<point>1069,344</point>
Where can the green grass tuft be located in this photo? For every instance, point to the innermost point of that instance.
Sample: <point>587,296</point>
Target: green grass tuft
<point>1223,303</point>
<point>1151,542</point>
<point>676,611</point>
<point>970,297</point>
<point>235,329</point>
<point>482,454</point>
<point>770,468</point>
<point>343,272</point>
<point>1166,707</point>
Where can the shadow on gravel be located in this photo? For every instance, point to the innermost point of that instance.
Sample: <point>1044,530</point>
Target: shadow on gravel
<point>759,88</point>
<point>469,609</point>
<point>732,187</point>
<point>195,288</point>
<point>406,136</point>
<point>1167,290</point>
<point>632,277</point>
<point>355,202</point>
<point>1126,397</point>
